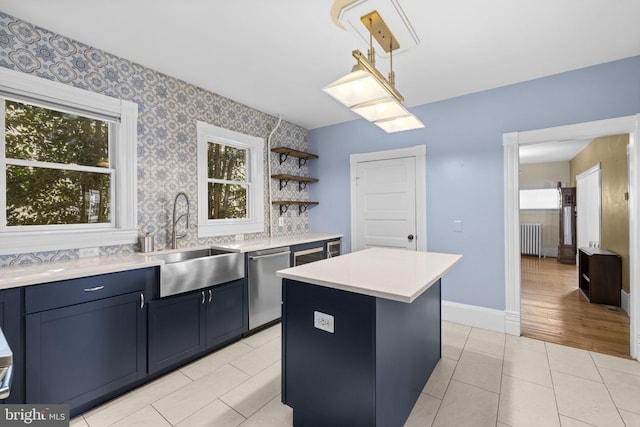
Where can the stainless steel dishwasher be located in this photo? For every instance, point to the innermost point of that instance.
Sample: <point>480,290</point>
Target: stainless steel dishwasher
<point>265,289</point>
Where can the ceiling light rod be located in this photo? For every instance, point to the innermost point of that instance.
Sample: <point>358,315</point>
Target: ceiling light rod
<point>371,53</point>
<point>364,63</point>
<point>392,75</point>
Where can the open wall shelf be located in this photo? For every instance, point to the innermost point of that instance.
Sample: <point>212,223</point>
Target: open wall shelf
<point>301,180</point>
<point>301,155</point>
<point>302,206</point>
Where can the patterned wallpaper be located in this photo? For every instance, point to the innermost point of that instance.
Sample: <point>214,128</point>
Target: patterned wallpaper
<point>168,109</point>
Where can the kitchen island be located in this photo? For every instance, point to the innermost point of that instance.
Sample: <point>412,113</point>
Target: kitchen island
<point>360,335</point>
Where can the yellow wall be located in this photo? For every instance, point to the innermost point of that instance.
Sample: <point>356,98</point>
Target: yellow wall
<point>611,152</point>
<point>544,175</point>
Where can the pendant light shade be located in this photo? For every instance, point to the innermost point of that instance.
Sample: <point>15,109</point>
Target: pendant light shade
<point>399,124</point>
<point>380,109</point>
<point>357,87</point>
<point>366,91</point>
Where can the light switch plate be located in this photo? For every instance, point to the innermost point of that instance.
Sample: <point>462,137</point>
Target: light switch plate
<point>280,222</point>
<point>323,321</point>
<point>457,225</point>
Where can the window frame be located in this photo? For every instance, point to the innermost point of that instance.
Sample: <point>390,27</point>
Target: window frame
<point>527,191</point>
<point>122,158</point>
<point>254,222</point>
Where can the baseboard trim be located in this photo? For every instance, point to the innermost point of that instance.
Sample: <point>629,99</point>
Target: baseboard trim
<point>625,301</point>
<point>480,317</point>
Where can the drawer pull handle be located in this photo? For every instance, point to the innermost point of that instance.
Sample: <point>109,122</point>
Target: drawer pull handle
<point>141,301</point>
<point>97,288</point>
<point>210,295</point>
<point>202,297</point>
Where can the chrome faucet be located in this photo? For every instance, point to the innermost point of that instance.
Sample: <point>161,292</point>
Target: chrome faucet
<point>174,221</point>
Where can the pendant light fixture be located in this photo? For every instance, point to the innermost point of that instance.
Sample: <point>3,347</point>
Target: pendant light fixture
<point>366,91</point>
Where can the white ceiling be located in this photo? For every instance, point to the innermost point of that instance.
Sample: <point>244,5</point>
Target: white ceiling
<point>549,152</point>
<point>276,55</point>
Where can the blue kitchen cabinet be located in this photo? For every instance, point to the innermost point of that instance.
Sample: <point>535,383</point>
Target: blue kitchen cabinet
<point>86,339</point>
<point>12,327</point>
<point>226,313</point>
<point>189,325</point>
<point>176,329</point>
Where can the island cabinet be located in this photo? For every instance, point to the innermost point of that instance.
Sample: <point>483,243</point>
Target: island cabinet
<point>86,338</point>
<point>186,326</point>
<point>360,336</point>
<point>370,370</point>
<point>11,315</point>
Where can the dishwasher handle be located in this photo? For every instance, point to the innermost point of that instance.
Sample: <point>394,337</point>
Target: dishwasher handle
<point>258,257</point>
<point>5,387</point>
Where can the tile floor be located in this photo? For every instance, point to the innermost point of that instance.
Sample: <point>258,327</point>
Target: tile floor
<point>484,379</point>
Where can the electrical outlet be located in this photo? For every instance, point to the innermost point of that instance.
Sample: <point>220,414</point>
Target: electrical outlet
<point>323,321</point>
<point>87,252</point>
<point>239,237</point>
<point>280,222</point>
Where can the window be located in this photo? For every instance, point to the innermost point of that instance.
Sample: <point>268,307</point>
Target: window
<point>542,198</point>
<point>67,166</point>
<point>230,180</point>
<point>57,167</point>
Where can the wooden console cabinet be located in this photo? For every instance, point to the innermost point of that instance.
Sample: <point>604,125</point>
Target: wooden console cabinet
<point>600,275</point>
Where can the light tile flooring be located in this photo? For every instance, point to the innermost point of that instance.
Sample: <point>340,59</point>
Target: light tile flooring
<point>483,379</point>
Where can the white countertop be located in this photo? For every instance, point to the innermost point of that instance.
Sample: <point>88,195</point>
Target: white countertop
<point>32,274</point>
<point>393,274</point>
<point>275,242</point>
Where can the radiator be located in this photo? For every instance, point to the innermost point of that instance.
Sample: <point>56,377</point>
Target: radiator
<point>530,239</point>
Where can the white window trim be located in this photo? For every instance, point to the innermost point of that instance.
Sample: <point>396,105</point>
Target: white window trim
<point>124,157</point>
<point>223,227</point>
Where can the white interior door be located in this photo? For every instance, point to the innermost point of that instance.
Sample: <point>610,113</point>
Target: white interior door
<point>588,205</point>
<point>385,203</point>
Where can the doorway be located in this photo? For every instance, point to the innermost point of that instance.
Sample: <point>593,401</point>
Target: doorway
<point>388,199</point>
<point>512,142</point>
<point>588,192</point>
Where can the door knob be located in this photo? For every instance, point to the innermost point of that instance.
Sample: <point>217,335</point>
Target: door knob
<point>410,237</point>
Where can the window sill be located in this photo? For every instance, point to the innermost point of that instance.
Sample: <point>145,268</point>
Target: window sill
<point>39,241</point>
<point>213,230</point>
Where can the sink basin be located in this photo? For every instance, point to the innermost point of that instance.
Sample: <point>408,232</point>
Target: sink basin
<point>190,270</point>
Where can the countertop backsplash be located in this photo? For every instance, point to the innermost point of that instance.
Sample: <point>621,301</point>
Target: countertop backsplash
<point>168,109</point>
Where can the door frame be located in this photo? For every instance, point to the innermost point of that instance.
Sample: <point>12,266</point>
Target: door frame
<point>592,170</point>
<point>419,153</point>
<point>511,142</point>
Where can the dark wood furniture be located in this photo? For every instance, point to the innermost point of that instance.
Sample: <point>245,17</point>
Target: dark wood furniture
<point>567,235</point>
<point>600,275</point>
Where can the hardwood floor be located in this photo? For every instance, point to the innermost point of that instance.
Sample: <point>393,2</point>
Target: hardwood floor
<point>554,310</point>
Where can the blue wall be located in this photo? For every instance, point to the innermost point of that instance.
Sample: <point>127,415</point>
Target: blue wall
<point>465,179</point>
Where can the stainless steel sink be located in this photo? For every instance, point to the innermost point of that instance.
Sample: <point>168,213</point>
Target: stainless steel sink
<point>189,270</point>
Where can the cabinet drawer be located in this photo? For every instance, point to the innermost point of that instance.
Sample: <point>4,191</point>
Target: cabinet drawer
<point>80,353</point>
<point>76,291</point>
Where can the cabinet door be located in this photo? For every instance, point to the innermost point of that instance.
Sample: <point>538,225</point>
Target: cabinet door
<point>80,353</point>
<point>176,329</point>
<point>225,313</point>
<point>12,328</point>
